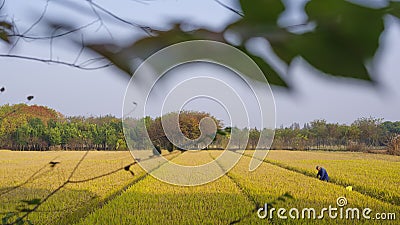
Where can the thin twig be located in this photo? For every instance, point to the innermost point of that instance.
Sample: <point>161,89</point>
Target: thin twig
<point>102,24</point>
<point>80,51</point>
<point>146,29</point>
<point>23,36</point>
<point>2,4</point>
<point>32,26</point>
<point>241,14</point>
<point>56,62</point>
<point>91,61</point>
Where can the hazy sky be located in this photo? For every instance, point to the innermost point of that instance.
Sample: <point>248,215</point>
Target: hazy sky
<point>76,92</point>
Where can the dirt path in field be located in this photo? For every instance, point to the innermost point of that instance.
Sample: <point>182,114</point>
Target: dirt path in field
<point>365,192</point>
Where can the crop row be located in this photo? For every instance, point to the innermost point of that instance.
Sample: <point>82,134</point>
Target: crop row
<point>371,174</point>
<point>28,178</point>
<point>232,198</point>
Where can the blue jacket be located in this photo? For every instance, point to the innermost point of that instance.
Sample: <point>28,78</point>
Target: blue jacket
<point>323,175</point>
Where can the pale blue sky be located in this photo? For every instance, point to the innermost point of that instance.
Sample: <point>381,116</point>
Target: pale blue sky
<point>76,92</point>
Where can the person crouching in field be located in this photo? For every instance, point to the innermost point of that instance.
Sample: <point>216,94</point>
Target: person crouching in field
<point>322,174</point>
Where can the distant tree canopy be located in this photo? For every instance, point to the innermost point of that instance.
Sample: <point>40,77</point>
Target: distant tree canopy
<point>362,134</point>
<point>24,127</point>
<point>189,122</point>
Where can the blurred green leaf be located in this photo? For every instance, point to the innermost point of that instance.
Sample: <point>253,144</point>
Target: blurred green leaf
<point>5,25</point>
<point>5,29</point>
<point>394,8</point>
<point>331,54</point>
<point>281,48</point>
<point>147,46</point>
<point>4,36</point>
<point>260,19</point>
<point>262,11</point>
<point>269,73</point>
<point>360,26</point>
<point>345,37</point>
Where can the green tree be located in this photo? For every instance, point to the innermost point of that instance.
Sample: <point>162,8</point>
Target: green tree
<point>254,137</point>
<point>319,132</point>
<point>54,136</point>
<point>189,125</point>
<point>369,130</point>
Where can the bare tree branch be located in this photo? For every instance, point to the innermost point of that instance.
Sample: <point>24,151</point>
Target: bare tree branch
<point>99,12</point>
<point>93,60</point>
<point>32,26</point>
<point>237,12</point>
<point>23,36</point>
<point>79,66</point>
<point>146,29</point>
<point>2,4</point>
<point>102,24</point>
<point>40,17</point>
<point>80,51</point>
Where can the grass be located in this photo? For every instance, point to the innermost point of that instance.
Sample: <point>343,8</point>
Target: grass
<point>286,179</point>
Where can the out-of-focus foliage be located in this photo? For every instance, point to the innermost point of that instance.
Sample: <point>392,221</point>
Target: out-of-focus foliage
<point>338,38</point>
<point>344,37</point>
<point>5,29</point>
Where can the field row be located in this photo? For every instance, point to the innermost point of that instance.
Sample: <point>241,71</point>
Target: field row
<point>229,199</point>
<point>372,174</point>
<point>28,178</point>
<point>120,198</point>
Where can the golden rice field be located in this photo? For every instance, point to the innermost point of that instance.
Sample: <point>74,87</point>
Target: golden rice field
<point>101,191</point>
<point>373,174</point>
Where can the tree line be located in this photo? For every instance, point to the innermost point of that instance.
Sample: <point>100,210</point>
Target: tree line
<point>362,134</point>
<point>24,127</point>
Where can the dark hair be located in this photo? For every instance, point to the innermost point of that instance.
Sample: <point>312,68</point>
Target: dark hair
<point>317,167</point>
